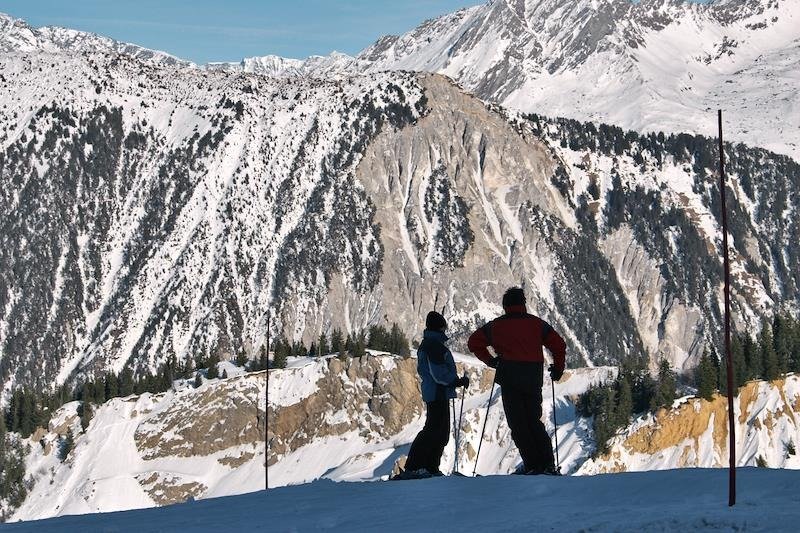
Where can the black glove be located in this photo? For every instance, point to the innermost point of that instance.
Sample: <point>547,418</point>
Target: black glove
<point>493,362</point>
<point>555,374</point>
<point>463,381</point>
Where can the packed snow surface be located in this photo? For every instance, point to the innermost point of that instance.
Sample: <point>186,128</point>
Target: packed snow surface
<point>673,500</point>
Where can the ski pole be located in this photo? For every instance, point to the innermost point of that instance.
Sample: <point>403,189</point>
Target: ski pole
<point>555,421</point>
<point>480,442</point>
<point>455,434</point>
<point>460,417</point>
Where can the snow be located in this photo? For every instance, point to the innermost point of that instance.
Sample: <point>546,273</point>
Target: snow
<point>674,500</point>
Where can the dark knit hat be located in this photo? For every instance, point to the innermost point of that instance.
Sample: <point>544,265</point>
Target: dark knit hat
<point>436,322</point>
<point>513,296</point>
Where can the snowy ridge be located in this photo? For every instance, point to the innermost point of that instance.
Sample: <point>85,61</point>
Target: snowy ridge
<point>655,65</point>
<point>17,36</point>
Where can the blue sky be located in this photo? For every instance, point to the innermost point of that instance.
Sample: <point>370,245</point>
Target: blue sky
<point>228,30</point>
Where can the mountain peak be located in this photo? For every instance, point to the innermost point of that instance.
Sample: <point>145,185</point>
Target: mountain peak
<point>16,35</point>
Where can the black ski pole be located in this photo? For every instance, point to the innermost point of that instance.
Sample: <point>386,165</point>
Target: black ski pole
<point>555,422</point>
<point>460,417</point>
<point>480,442</point>
<point>455,434</point>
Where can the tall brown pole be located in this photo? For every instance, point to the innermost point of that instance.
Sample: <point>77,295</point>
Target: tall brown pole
<point>731,428</point>
<point>266,412</point>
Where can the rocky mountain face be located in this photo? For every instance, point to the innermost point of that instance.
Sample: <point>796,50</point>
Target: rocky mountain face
<point>153,210</point>
<point>654,65</point>
<point>353,420</point>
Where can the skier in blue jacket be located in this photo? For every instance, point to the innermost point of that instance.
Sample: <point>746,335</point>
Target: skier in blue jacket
<point>437,369</point>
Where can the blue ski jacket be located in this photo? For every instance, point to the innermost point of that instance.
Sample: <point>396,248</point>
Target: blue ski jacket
<point>436,366</point>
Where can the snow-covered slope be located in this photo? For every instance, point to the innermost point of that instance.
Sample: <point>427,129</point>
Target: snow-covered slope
<point>678,500</point>
<point>342,420</point>
<point>151,210</point>
<point>655,65</point>
<point>353,420</point>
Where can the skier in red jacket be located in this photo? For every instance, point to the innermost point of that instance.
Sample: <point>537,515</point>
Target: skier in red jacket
<point>518,339</point>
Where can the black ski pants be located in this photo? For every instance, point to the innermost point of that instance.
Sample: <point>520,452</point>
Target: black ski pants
<point>428,446</point>
<point>521,384</point>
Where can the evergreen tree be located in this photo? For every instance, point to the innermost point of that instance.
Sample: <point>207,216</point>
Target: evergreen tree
<point>213,369</point>
<point>200,361</point>
<point>781,341</point>
<point>665,386</point>
<point>359,345</point>
<point>739,366</point>
<point>337,342</point>
<point>111,385</point>
<point>86,412</point>
<point>624,408</point>
<point>324,349</point>
<point>752,360</point>
<point>769,357</point>
<point>263,358</point>
<point>706,377</point>
<point>66,445</point>
<point>281,354</point>
<point>241,359</point>
<point>604,420</point>
<point>299,349</point>
<point>794,344</point>
<point>349,345</point>
<point>126,382</point>
<point>398,342</point>
<point>224,374</point>
<point>279,361</point>
<point>377,338</point>
<point>198,380</point>
<point>87,392</point>
<point>98,391</point>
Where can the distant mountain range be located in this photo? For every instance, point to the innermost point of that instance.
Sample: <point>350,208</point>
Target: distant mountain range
<point>152,207</point>
<point>653,65</point>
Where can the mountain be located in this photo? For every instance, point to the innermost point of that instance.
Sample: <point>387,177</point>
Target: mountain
<point>324,67</point>
<point>352,419</point>
<point>654,65</point>
<point>16,35</point>
<point>649,66</point>
<point>151,210</point>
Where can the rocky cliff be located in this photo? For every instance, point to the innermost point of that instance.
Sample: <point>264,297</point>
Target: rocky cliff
<point>694,432</point>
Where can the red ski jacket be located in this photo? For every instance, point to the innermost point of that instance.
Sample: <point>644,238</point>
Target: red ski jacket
<point>518,336</point>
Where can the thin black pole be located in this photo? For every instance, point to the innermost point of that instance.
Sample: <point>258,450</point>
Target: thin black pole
<point>266,412</point>
<point>731,428</point>
<point>480,442</point>
<point>555,422</point>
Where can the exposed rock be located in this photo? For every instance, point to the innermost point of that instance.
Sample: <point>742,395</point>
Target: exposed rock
<point>166,489</point>
<point>226,416</point>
